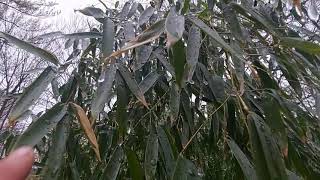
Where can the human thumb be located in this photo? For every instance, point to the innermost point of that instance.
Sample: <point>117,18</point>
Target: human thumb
<point>17,165</point>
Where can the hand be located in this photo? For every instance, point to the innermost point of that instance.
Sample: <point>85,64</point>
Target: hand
<point>17,165</point>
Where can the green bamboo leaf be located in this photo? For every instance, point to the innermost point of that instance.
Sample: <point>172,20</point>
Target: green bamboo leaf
<point>113,166</point>
<point>174,27</point>
<point>266,79</point>
<point>125,11</point>
<point>42,126</point>
<point>159,55</point>
<point>151,156</point>
<point>57,150</point>
<point>92,11</point>
<point>49,35</point>
<point>132,84</point>
<point>148,81</point>
<point>134,165</point>
<point>174,102</point>
<point>103,93</point>
<point>140,8</point>
<point>306,46</point>
<point>145,15</point>
<point>255,17</point>
<point>216,83</point>
<point>246,166</point>
<point>122,104</point>
<point>166,152</point>
<point>55,88</point>
<point>214,34</point>
<point>178,62</point>
<point>133,9</point>
<point>108,37</point>
<point>142,56</point>
<point>185,170</point>
<point>272,112</point>
<point>268,160</point>
<point>231,18</point>
<point>45,55</point>
<point>83,35</point>
<point>291,71</point>
<point>193,49</point>
<point>31,94</point>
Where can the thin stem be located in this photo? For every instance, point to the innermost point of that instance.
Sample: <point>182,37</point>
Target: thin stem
<point>202,125</point>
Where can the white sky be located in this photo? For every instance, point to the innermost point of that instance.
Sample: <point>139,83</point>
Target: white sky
<point>67,6</point>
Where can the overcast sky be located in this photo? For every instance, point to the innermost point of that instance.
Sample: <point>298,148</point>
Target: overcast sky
<point>67,6</point>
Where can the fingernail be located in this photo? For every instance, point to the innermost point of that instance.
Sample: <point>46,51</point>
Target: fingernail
<point>22,151</point>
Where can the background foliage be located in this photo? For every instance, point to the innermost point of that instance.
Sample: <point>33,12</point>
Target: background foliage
<point>180,90</point>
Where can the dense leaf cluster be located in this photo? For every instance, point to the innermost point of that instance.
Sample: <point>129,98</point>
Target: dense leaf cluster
<point>178,90</point>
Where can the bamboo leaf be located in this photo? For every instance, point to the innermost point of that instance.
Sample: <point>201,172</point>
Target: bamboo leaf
<point>103,93</point>
<point>125,11</point>
<point>122,104</point>
<point>134,165</point>
<point>213,33</point>
<point>31,94</point>
<point>42,126</point>
<point>86,126</point>
<point>174,27</point>
<point>151,156</point>
<point>142,56</point>
<point>179,61</point>
<point>147,36</point>
<point>129,31</point>
<point>133,9</point>
<point>108,37</point>
<point>83,35</point>
<point>132,84</point>
<point>43,54</point>
<point>166,152</point>
<point>159,55</point>
<point>193,49</point>
<point>255,17</point>
<point>145,15</point>
<point>268,160</point>
<point>148,81</point>
<point>216,83</point>
<point>306,46</point>
<point>113,166</point>
<point>174,103</point>
<point>92,11</point>
<point>246,166</point>
<point>184,170</point>
<point>57,150</point>
<point>272,111</point>
<point>55,88</point>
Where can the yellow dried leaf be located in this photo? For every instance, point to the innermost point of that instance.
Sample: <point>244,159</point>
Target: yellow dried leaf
<point>86,126</point>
